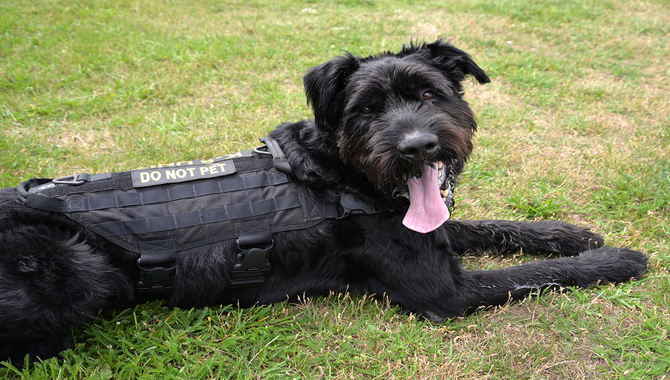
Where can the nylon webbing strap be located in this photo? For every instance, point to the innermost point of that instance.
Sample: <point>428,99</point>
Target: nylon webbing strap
<point>36,200</point>
<point>157,265</point>
<point>252,263</point>
<point>279,160</point>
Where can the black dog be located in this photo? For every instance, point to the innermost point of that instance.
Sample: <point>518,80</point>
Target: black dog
<point>391,132</point>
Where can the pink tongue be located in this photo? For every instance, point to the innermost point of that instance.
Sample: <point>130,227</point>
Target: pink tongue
<point>427,211</point>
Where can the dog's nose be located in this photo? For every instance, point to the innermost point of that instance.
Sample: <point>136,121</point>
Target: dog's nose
<point>418,145</point>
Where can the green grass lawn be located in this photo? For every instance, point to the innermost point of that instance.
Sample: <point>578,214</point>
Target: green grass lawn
<point>574,126</point>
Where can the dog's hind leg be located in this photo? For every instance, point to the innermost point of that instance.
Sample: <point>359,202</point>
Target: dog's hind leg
<point>50,281</point>
<point>603,265</point>
<point>502,237</point>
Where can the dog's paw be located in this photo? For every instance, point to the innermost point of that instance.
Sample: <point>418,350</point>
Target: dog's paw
<point>615,265</point>
<point>569,240</point>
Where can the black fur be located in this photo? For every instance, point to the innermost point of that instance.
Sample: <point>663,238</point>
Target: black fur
<point>54,275</point>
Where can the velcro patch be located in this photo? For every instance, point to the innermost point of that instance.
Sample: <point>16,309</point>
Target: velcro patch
<point>175,174</point>
<point>186,171</point>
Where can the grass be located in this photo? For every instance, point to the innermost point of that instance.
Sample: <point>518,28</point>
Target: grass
<point>575,125</point>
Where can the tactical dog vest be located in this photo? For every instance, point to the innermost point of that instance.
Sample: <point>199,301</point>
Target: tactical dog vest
<point>161,210</point>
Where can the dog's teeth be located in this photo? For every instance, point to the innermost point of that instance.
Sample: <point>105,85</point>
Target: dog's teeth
<point>444,192</point>
<point>440,164</point>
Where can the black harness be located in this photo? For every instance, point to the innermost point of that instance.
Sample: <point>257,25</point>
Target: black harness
<point>162,210</point>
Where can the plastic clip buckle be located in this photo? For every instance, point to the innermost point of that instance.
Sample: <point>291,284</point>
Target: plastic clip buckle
<point>154,283</point>
<point>251,265</point>
<point>253,258</point>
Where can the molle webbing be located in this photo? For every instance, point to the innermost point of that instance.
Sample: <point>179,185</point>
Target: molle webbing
<point>252,198</point>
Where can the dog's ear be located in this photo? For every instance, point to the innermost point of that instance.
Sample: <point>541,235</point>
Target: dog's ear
<point>324,87</point>
<point>451,60</point>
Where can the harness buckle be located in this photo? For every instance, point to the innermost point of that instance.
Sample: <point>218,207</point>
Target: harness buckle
<point>252,264</point>
<point>75,179</point>
<point>154,282</point>
<point>252,259</point>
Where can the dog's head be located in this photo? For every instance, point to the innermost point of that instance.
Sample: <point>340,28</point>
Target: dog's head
<point>400,118</point>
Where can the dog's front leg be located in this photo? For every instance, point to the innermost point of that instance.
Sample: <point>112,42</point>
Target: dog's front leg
<point>502,237</point>
<point>603,265</point>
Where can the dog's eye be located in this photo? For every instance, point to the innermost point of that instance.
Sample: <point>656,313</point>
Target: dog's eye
<point>427,95</point>
<point>365,110</point>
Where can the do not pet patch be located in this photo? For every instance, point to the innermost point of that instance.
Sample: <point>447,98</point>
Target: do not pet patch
<point>165,175</point>
<point>185,171</point>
